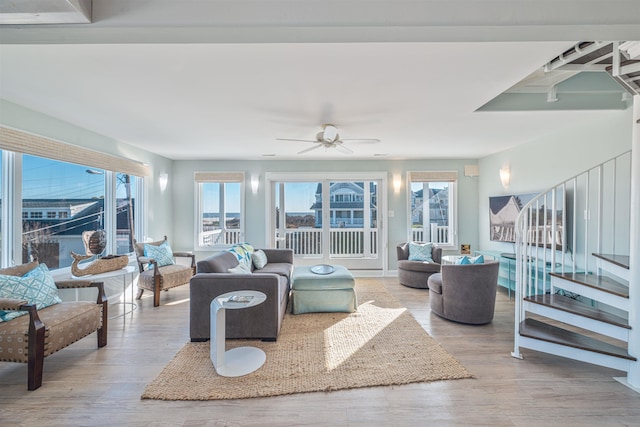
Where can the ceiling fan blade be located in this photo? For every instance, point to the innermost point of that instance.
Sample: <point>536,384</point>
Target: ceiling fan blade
<point>298,140</point>
<point>306,150</point>
<point>365,140</point>
<point>344,149</point>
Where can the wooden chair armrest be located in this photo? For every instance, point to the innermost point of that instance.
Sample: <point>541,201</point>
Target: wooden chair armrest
<point>145,261</point>
<point>76,284</point>
<point>183,254</point>
<point>187,254</point>
<point>12,304</point>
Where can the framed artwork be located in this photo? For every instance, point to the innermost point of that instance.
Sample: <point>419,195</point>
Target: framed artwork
<point>504,211</point>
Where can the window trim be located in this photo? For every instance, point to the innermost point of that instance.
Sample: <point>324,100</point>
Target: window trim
<point>436,176</point>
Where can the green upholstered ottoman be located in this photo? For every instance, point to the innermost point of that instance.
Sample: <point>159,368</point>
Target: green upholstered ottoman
<point>315,293</point>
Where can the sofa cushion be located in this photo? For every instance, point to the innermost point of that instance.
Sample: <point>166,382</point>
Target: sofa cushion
<point>36,287</point>
<point>240,269</point>
<point>259,259</point>
<point>217,263</point>
<point>420,251</point>
<point>280,268</point>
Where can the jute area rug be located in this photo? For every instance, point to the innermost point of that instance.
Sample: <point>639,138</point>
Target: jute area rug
<point>380,344</point>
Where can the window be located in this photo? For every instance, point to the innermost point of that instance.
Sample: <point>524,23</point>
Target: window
<point>432,207</point>
<point>53,184</point>
<point>220,215</point>
<point>126,189</point>
<point>65,190</point>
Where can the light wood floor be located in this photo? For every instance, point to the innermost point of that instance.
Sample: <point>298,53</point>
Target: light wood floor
<point>84,386</point>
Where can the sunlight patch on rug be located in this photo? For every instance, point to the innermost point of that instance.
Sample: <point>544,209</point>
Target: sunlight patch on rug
<point>365,329</point>
<point>380,344</point>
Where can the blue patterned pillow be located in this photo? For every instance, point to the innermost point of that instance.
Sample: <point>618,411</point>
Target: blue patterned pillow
<point>420,251</point>
<point>161,253</point>
<point>243,252</point>
<point>37,287</point>
<point>478,260</point>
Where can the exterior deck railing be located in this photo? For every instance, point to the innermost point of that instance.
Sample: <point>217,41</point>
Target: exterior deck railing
<point>439,234</point>
<point>343,242</point>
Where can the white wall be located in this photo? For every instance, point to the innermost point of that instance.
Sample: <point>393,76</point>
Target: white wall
<point>574,150</point>
<point>158,205</point>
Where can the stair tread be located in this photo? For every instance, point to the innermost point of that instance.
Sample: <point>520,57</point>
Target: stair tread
<point>603,283</point>
<point>619,260</point>
<point>571,305</point>
<point>532,328</point>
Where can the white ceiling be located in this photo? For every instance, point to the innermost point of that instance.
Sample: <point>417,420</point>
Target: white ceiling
<point>223,80</point>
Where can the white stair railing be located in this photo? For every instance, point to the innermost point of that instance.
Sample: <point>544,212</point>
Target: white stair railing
<point>560,229</point>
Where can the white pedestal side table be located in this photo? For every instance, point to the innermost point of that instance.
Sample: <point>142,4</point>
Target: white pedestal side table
<point>241,360</point>
<point>125,273</point>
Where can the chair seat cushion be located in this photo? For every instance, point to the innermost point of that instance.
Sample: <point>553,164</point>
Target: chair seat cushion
<point>435,283</point>
<point>65,323</point>
<point>170,276</point>
<point>422,266</point>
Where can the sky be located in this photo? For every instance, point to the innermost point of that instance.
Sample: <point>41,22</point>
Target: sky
<point>51,179</point>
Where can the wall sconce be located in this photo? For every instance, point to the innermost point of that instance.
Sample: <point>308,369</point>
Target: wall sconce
<point>255,183</point>
<point>505,177</point>
<point>163,180</point>
<point>397,183</point>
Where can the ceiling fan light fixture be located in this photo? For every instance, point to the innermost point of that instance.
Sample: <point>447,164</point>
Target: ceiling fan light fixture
<point>330,133</point>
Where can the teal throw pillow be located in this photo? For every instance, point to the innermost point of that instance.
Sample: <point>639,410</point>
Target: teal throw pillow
<point>420,251</point>
<point>243,252</point>
<point>463,260</point>
<point>259,259</point>
<point>36,287</point>
<point>161,253</point>
<point>479,260</point>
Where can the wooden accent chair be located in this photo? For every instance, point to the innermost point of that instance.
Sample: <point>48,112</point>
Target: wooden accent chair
<point>31,338</point>
<point>164,277</point>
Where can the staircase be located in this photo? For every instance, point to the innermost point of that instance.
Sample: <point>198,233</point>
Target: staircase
<point>572,268</point>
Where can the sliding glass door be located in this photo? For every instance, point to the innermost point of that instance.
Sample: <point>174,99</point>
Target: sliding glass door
<point>329,221</point>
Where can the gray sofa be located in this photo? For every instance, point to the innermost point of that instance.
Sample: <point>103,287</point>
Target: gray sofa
<point>259,322</point>
<point>465,293</point>
<point>416,273</point>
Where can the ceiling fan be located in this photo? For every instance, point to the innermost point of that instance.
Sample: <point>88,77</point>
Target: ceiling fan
<point>328,137</point>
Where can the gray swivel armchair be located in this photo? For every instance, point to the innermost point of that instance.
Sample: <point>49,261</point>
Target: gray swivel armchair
<point>414,274</point>
<point>465,293</point>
